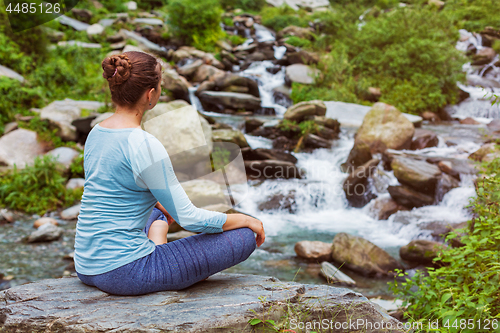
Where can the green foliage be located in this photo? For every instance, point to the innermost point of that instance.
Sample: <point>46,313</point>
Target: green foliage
<point>196,22</point>
<point>36,189</point>
<point>467,287</point>
<point>76,167</point>
<point>278,18</point>
<point>473,15</point>
<point>248,5</point>
<point>45,132</point>
<point>299,42</point>
<point>300,129</point>
<point>220,157</point>
<point>236,40</point>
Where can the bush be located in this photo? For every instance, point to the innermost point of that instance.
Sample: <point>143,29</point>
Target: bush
<point>278,18</point>
<point>36,189</point>
<point>299,42</point>
<point>467,287</point>
<point>473,15</point>
<point>248,5</point>
<point>196,22</point>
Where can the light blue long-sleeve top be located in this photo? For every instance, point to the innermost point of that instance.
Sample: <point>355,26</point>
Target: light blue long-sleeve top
<point>126,172</point>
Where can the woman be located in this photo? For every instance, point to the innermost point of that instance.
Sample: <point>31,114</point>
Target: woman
<point>127,173</point>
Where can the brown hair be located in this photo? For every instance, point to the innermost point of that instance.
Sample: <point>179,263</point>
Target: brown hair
<point>129,75</point>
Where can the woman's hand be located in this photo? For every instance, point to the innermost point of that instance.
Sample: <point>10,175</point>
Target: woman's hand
<point>235,221</point>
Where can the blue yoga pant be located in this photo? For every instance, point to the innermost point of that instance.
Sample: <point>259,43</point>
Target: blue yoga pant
<point>176,265</point>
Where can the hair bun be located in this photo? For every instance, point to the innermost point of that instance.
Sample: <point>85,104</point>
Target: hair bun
<point>117,69</point>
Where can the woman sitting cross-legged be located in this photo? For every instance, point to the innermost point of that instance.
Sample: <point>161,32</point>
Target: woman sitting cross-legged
<point>120,242</point>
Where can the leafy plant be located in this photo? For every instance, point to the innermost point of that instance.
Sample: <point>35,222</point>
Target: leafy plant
<point>37,188</point>
<point>278,18</point>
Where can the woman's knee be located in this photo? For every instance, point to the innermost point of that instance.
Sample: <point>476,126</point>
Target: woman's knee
<point>249,243</point>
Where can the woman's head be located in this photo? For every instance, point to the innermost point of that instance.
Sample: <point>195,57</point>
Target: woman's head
<point>130,75</point>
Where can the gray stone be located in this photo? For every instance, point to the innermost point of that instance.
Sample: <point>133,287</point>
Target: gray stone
<point>176,84</point>
<point>131,5</point>
<point>95,29</point>
<point>107,22</point>
<point>64,156</point>
<point>424,139</point>
<point>408,197</point>
<point>207,72</point>
<point>53,34</point>
<point>229,135</point>
<point>145,43</point>
<point>301,110</point>
<point>203,192</point>
<point>223,303</point>
<point>45,233</point>
<point>356,187</point>
<point>301,73</point>
<point>421,251</point>
<point>333,275</point>
<point>4,71</point>
<point>229,100</point>
<point>9,127</point>
<point>77,43</point>
<point>419,175</point>
<point>75,24</point>
<point>83,14</point>
<point>44,220</point>
<point>189,70</point>
<point>71,213</point>
<point>150,21</point>
<point>313,250</point>
<point>75,183</point>
<point>297,4</point>
<point>19,147</point>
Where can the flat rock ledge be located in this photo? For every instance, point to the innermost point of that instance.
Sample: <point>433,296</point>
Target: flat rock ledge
<point>223,303</point>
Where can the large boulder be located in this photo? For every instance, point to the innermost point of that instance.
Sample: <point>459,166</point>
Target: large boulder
<point>314,250</point>
<point>417,174</point>
<point>64,156</point>
<point>176,84</point>
<point>424,139</point>
<point>220,100</point>
<point>229,135</point>
<point>301,73</point>
<point>223,303</point>
<point>362,256</point>
<point>19,147</point>
<point>385,127</point>
<point>4,71</point>
<point>206,72</point>
<point>186,135</point>
<point>303,57</point>
<point>304,109</point>
<point>203,192</point>
<point>421,251</point>
<point>408,197</point>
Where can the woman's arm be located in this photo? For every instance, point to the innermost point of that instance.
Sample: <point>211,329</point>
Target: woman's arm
<point>235,221</point>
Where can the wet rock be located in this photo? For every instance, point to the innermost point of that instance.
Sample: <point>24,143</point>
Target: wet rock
<point>359,155</point>
<point>424,139</point>
<point>445,184</point>
<point>271,169</point>
<point>447,167</point>
<point>483,56</point>
<point>430,116</point>
<point>44,220</point>
<point>71,213</point>
<point>421,251</point>
<point>458,166</point>
<point>75,183</point>
<point>280,201</point>
<point>75,24</point>
<point>83,14</point>
<point>419,175</point>
<point>64,156</point>
<point>188,70</point>
<point>274,69</point>
<point>356,188</point>
<point>333,275</point>
<point>305,33</point>
<point>186,129</point>
<point>19,147</point>
<point>313,250</point>
<point>67,303</point>
<point>217,100</point>
<point>469,121</point>
<point>312,141</point>
<point>4,71</point>
<point>382,208</point>
<point>252,123</point>
<point>267,154</point>
<point>329,123</point>
<point>45,233</point>
<point>303,109</point>
<point>203,192</point>
<point>385,127</point>
<point>408,197</point>
<point>494,125</point>
<point>480,154</point>
<point>303,57</point>
<point>229,79</point>
<point>228,135</point>
<point>176,84</point>
<point>362,256</point>
<point>300,73</point>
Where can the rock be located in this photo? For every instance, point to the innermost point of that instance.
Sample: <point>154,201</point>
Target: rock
<point>64,43</point>
<point>67,303</point>
<point>207,72</point>
<point>188,70</point>
<point>6,215</point>
<point>303,109</point>
<point>333,275</point>
<point>305,33</point>
<point>469,121</point>
<point>421,251</point>
<point>280,202</point>
<point>53,34</point>
<point>45,233</point>
<point>4,71</point>
<point>19,147</point>
<point>219,100</point>
<point>75,24</point>
<point>313,250</point>
<point>250,154</point>
<point>480,154</point>
<point>186,135</point>
<point>447,167</point>
<point>131,5</point>
<point>385,127</point>
<point>303,57</point>
<point>83,125</point>
<point>148,20</point>
<point>382,208</point>
<point>252,123</point>
<point>64,156</point>
<point>75,183</point>
<point>424,139</point>
<point>373,94</point>
<point>436,3</point>
<point>228,135</point>
<point>83,14</point>
<point>300,73</point>
<point>95,29</point>
<point>445,184</point>
<point>362,256</point>
<point>230,79</point>
<point>313,141</point>
<point>483,56</point>
<point>101,118</point>
<point>203,192</point>
<point>144,43</point>
<point>179,235</point>
<point>359,155</point>
<point>43,220</point>
<point>71,213</point>
<point>9,127</point>
<point>430,116</point>
<point>419,175</point>
<point>176,84</point>
<point>271,169</point>
<point>356,187</point>
<point>408,197</point>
